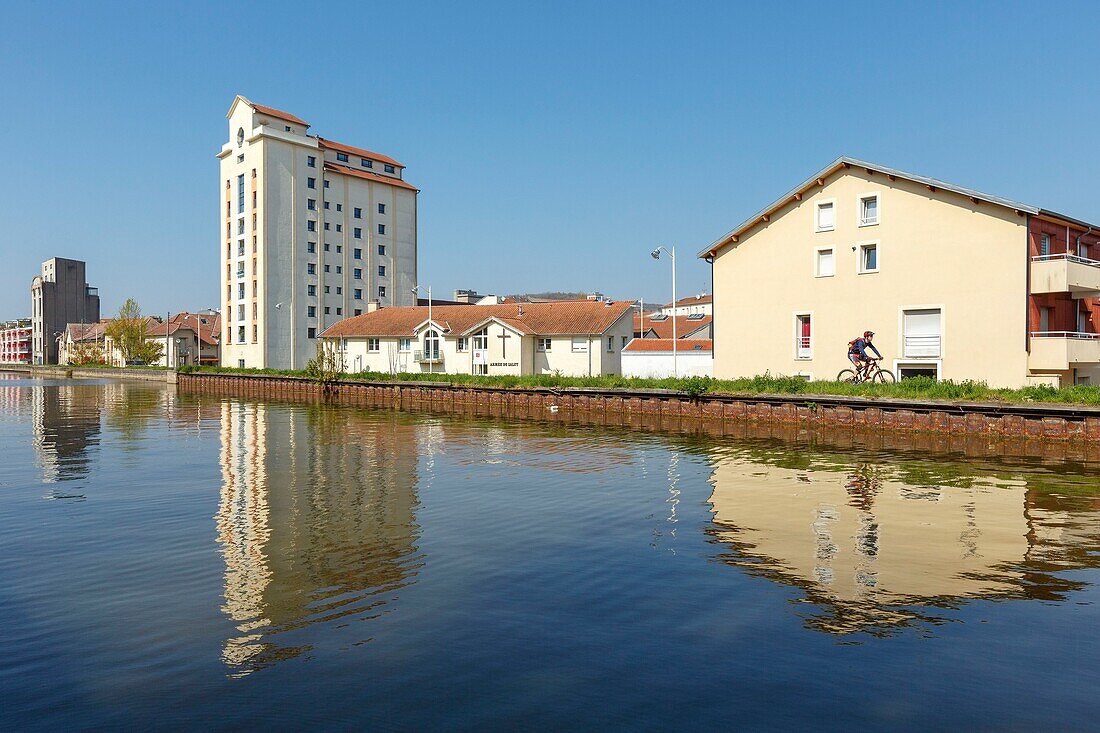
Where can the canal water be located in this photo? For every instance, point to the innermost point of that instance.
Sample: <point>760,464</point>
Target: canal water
<point>175,561</point>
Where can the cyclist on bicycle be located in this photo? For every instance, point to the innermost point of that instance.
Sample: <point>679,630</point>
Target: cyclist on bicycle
<point>857,352</point>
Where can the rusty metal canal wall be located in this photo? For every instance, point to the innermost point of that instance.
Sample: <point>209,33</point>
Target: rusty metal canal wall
<point>676,411</point>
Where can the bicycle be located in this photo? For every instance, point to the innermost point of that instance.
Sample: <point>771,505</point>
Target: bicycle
<point>869,372</point>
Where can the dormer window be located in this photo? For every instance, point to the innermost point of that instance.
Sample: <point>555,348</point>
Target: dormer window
<point>240,136</point>
<point>342,157</point>
<point>366,163</point>
<point>390,169</point>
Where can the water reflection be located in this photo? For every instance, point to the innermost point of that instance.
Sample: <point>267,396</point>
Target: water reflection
<point>66,428</point>
<point>875,546</point>
<point>316,523</point>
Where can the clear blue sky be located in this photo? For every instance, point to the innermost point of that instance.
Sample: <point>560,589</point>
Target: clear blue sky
<point>555,143</point>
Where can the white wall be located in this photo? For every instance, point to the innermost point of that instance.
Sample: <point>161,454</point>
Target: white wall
<point>655,364</point>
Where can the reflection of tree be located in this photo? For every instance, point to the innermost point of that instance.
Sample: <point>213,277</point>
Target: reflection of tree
<point>129,408</point>
<point>873,551</point>
<point>316,522</point>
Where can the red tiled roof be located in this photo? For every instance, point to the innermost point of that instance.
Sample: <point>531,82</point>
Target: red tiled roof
<point>208,331</point>
<point>271,111</point>
<point>682,346</point>
<point>561,318</point>
<point>356,173</point>
<point>663,327</point>
<point>361,152</point>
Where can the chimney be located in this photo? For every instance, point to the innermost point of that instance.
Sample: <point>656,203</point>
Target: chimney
<point>372,306</point>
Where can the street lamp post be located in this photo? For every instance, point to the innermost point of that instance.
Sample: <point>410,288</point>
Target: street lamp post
<point>656,254</point>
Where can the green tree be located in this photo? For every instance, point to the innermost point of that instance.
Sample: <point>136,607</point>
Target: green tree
<point>328,366</point>
<point>129,332</point>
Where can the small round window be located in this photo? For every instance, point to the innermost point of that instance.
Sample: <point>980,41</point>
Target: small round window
<point>240,137</point>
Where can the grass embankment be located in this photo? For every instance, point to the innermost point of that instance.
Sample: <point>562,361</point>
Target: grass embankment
<point>918,388</point>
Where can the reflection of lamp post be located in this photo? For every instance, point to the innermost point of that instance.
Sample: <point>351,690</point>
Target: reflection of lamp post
<point>656,254</point>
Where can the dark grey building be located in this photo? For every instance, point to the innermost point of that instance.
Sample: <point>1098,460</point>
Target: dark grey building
<point>59,296</point>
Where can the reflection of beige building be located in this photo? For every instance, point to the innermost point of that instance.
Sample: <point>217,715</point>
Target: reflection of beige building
<point>956,284</point>
<point>316,522</point>
<point>312,232</point>
<point>573,337</point>
<point>867,544</point>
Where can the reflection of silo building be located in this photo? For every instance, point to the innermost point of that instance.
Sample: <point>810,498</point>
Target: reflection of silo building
<point>316,521</point>
<point>867,546</point>
<point>66,425</point>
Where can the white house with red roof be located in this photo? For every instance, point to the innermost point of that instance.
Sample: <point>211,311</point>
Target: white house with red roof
<point>570,337</point>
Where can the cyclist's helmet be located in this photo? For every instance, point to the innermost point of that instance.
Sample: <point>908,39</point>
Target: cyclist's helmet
<point>868,334</point>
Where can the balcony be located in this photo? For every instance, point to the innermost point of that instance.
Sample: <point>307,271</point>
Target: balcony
<point>1059,351</point>
<point>428,357</point>
<point>1065,273</point>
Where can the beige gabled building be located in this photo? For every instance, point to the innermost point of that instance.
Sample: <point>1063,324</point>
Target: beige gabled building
<point>956,283</point>
<point>571,337</point>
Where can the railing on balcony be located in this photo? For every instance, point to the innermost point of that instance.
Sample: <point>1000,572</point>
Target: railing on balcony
<point>1065,335</point>
<point>922,347</point>
<point>803,347</point>
<point>428,357</point>
<point>1066,256</point>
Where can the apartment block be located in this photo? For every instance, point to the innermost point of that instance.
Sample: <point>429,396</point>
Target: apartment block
<point>60,295</point>
<point>955,283</point>
<point>15,342</point>
<point>312,232</point>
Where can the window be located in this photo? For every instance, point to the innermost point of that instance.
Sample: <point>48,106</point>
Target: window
<point>366,163</point>
<point>326,183</point>
<point>311,333</point>
<point>389,169</point>
<point>240,136</point>
<point>339,207</point>
<point>358,311</point>
<point>579,344</point>
<point>342,157</point>
<point>240,334</point>
<point>381,271</point>
<point>328,268</point>
<point>339,311</point>
<point>240,226</point>
<point>240,291</point>
<point>240,248</point>
<point>868,210</point>
<point>240,312</point>
<point>253,196</point>
<point>431,344</point>
<point>1044,246</point>
<point>339,227</point>
<point>327,205</point>
<point>311,183</point>
<point>381,228</point>
<point>382,250</point>
<point>826,216</point>
<point>311,269</point>
<point>358,253</point>
<point>357,273</point>
<point>339,290</point>
<point>543,344</point>
<point>255,333</point>
<point>311,226</point>
<point>240,363</point>
<point>357,232</point>
<point>868,257</point>
<point>803,336</point>
<point>327,289</point>
<point>404,344</point>
<point>311,290</point>
<point>327,226</point>
<point>381,208</point>
<point>358,293</point>
<point>287,127</point>
<point>357,213</point>
<point>327,310</point>
<point>463,343</point>
<point>311,204</point>
<point>311,161</point>
<point>339,269</point>
<point>327,246</point>
<point>372,346</point>
<point>311,311</point>
<point>381,291</point>
<point>240,158</point>
<point>610,344</point>
<point>311,247</point>
<point>339,248</point>
<point>626,340</point>
<point>921,332</point>
<point>825,262</point>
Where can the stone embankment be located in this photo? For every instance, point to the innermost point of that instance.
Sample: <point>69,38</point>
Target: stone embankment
<point>673,410</point>
<point>68,372</point>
